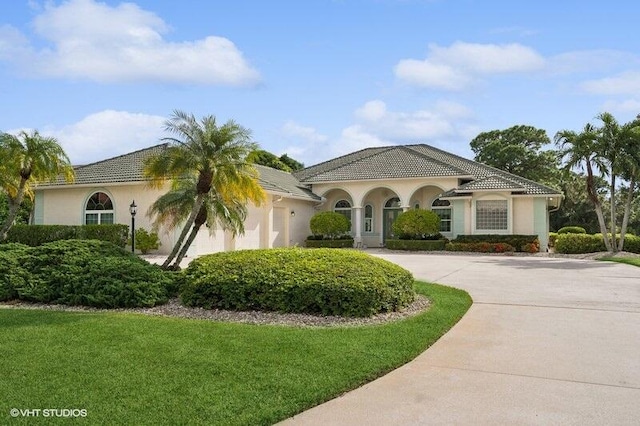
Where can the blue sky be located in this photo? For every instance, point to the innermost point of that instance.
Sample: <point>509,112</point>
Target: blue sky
<point>315,78</point>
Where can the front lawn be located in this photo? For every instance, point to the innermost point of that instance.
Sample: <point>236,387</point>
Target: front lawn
<point>137,369</point>
<point>635,261</point>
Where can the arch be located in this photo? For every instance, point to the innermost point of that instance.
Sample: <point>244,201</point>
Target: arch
<point>424,194</point>
<point>393,203</point>
<point>380,189</point>
<point>98,209</point>
<point>326,194</point>
<point>344,208</point>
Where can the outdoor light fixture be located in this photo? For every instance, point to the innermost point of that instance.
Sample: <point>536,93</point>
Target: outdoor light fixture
<point>133,209</point>
<point>293,213</point>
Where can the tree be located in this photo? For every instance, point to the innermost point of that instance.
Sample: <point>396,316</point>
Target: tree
<point>26,159</point>
<point>576,207</point>
<point>214,157</point>
<point>629,169</point>
<point>582,150</point>
<point>293,164</point>
<point>518,150</point>
<point>267,159</point>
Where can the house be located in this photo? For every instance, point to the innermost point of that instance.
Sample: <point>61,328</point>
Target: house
<point>371,187</point>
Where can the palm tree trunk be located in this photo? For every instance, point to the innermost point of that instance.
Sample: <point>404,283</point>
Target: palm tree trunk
<point>627,210</point>
<point>614,246</point>
<point>201,218</point>
<point>185,230</point>
<point>593,197</point>
<point>14,206</point>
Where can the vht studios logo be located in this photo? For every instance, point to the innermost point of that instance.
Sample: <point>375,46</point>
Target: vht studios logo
<point>48,412</point>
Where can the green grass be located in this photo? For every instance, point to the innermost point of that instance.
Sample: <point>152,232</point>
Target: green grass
<point>136,369</point>
<point>635,261</point>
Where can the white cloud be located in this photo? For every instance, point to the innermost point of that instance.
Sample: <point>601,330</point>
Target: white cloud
<point>108,134</point>
<point>376,125</point>
<point>93,40</point>
<point>456,66</point>
<point>629,106</point>
<point>624,83</point>
<point>293,130</point>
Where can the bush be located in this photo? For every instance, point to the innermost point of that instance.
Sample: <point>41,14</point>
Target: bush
<point>12,273</point>
<point>520,243</point>
<point>329,225</point>
<point>35,235</point>
<point>338,243</point>
<point>552,239</point>
<point>416,224</point>
<point>579,243</point>
<point>572,230</point>
<point>90,273</point>
<point>482,247</point>
<point>146,241</point>
<point>421,245</point>
<point>320,281</point>
<point>631,244</point>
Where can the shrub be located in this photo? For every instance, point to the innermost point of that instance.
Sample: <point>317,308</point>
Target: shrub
<point>12,273</point>
<point>572,230</point>
<point>481,247</point>
<point>520,243</point>
<point>146,241</point>
<point>422,245</point>
<point>320,281</point>
<point>35,235</point>
<point>552,239</point>
<point>91,273</point>
<point>338,243</point>
<point>329,225</point>
<point>631,244</point>
<point>416,224</point>
<point>579,243</point>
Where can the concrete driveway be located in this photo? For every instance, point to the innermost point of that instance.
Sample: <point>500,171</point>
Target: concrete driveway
<point>547,341</point>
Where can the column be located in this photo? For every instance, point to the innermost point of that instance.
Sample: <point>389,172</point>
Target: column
<point>358,237</point>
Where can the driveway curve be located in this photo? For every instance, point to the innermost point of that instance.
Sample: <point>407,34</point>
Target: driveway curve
<point>547,341</point>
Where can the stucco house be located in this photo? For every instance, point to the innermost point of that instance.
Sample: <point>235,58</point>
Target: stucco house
<point>371,187</point>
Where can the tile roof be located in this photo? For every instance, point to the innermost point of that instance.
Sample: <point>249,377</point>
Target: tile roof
<point>129,167</point>
<point>421,160</point>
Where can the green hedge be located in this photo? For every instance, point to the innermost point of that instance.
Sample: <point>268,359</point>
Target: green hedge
<point>12,272</point>
<point>521,243</point>
<point>320,281</point>
<point>330,225</point>
<point>341,243</point>
<point>83,272</point>
<point>35,235</point>
<point>422,245</point>
<point>416,224</point>
<point>588,243</point>
<point>572,230</point>
<point>482,247</point>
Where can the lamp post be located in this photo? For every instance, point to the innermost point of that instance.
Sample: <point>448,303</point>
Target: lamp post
<point>133,210</point>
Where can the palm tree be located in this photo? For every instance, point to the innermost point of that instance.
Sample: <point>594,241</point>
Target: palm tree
<point>29,158</point>
<point>583,150</point>
<point>630,169</point>
<point>213,157</point>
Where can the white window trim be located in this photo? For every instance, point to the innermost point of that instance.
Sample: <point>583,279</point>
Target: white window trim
<point>98,212</point>
<point>474,213</point>
<point>450,208</point>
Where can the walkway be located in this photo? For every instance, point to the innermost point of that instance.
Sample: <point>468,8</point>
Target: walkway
<point>547,341</point>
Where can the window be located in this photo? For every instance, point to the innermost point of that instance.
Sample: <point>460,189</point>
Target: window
<point>344,208</point>
<point>443,209</point>
<point>491,215</point>
<point>368,218</point>
<point>393,203</point>
<point>99,210</point>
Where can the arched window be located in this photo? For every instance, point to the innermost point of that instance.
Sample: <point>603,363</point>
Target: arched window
<point>392,203</point>
<point>443,209</point>
<point>344,208</point>
<point>368,218</point>
<point>99,209</point>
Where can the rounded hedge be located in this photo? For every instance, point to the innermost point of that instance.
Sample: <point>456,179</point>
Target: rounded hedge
<point>330,225</point>
<point>416,224</point>
<point>318,281</point>
<point>572,230</point>
<point>86,272</point>
<point>12,273</point>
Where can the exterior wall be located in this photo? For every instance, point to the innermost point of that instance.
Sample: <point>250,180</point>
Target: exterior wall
<point>270,225</point>
<point>523,216</point>
<point>541,222</point>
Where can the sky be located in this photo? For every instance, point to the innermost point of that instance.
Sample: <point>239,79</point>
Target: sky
<point>316,78</point>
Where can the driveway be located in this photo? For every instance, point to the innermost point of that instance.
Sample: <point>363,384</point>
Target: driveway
<point>547,341</point>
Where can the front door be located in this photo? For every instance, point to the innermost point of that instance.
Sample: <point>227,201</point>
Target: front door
<point>390,216</point>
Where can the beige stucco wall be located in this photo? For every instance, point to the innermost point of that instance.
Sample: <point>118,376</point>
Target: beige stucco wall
<point>65,206</point>
<point>523,216</point>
